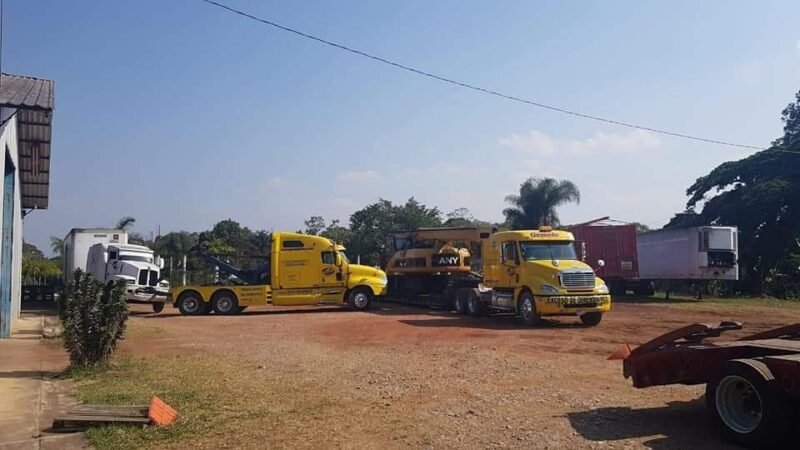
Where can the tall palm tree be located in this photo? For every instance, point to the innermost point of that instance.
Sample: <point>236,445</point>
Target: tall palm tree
<point>537,202</point>
<point>57,246</point>
<point>125,223</point>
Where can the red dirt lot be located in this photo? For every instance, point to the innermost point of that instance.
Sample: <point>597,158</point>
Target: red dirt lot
<point>399,376</point>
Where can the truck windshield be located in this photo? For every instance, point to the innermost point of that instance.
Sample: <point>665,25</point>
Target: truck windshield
<point>547,250</point>
<point>135,257</point>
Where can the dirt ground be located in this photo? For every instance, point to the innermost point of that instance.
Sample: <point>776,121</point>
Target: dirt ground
<point>399,376</point>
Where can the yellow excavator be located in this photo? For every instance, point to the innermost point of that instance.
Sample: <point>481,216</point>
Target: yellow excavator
<point>428,265</point>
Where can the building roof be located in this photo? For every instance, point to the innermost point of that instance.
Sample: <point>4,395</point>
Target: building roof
<point>33,100</point>
<point>18,91</point>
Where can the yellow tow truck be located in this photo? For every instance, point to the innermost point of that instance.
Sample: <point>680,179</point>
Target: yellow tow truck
<point>300,270</point>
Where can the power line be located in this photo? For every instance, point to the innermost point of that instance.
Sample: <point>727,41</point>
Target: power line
<point>474,87</point>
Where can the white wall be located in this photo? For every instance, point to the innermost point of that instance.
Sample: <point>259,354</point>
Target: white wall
<point>8,138</point>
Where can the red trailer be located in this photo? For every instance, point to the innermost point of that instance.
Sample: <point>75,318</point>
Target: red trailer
<point>614,242</point>
<point>752,384</point>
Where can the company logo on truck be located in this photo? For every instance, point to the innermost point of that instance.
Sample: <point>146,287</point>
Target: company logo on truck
<point>444,260</point>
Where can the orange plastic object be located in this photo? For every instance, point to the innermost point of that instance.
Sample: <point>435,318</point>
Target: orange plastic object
<point>160,413</point>
<point>621,353</point>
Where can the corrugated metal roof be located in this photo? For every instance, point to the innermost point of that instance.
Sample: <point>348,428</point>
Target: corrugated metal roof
<point>33,98</point>
<point>18,91</point>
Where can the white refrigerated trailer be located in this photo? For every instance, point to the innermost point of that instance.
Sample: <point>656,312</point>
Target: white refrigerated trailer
<point>696,253</point>
<point>106,255</point>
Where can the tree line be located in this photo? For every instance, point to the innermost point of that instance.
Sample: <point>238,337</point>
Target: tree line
<point>759,194</point>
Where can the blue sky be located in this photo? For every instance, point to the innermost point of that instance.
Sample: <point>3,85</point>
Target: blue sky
<point>180,114</point>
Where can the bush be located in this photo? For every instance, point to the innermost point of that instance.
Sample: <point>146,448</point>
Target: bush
<point>93,316</point>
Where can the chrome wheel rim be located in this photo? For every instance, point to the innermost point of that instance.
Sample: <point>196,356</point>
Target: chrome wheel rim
<point>527,308</point>
<point>739,404</point>
<point>224,304</point>
<point>190,304</point>
<point>361,300</point>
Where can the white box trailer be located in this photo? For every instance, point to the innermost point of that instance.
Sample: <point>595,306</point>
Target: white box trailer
<point>106,255</point>
<point>696,253</point>
<point>79,240</point>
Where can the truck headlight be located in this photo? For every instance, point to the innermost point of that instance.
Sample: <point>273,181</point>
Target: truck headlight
<point>602,289</point>
<point>548,289</point>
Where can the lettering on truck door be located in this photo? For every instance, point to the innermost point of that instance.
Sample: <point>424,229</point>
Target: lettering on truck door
<point>331,284</point>
<point>298,283</point>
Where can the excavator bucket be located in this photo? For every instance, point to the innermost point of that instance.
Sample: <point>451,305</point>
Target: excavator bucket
<point>623,352</point>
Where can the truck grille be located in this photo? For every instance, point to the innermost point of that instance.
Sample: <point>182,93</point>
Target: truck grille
<point>143,277</point>
<point>577,279</point>
<point>153,278</point>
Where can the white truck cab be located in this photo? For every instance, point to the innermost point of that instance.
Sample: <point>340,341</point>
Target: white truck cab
<point>107,256</point>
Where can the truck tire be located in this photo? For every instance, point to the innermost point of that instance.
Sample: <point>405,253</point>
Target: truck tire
<point>526,309</point>
<point>746,404</point>
<point>158,307</point>
<point>591,319</point>
<point>460,302</point>
<point>191,304</point>
<point>475,307</point>
<point>360,298</point>
<point>225,302</point>
<point>645,288</point>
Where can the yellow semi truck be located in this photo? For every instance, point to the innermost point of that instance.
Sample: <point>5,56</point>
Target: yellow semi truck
<point>531,273</point>
<point>535,274</point>
<point>300,270</point>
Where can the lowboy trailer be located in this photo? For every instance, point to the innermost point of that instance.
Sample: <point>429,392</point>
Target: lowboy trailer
<point>752,384</point>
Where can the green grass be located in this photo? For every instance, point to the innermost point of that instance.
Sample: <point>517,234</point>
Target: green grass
<point>220,401</point>
<point>132,382</point>
<point>689,302</point>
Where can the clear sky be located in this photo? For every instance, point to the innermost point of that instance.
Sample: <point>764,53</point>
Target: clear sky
<point>180,114</point>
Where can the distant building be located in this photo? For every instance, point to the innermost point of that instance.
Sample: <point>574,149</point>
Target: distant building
<point>26,114</point>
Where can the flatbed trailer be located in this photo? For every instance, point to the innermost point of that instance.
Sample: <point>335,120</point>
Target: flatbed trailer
<point>752,384</point>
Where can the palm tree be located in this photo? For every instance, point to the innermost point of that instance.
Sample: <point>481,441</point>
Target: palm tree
<point>537,202</point>
<point>57,246</point>
<point>125,223</point>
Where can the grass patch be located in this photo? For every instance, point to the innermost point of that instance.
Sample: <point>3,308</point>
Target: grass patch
<point>688,302</point>
<point>221,402</point>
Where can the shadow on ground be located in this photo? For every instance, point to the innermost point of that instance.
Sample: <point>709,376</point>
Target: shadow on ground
<point>678,425</point>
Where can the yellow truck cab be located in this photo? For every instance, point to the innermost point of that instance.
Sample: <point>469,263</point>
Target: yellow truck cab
<point>302,270</point>
<point>535,274</point>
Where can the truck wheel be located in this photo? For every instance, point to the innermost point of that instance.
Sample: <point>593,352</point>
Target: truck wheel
<point>474,305</point>
<point>360,299</point>
<point>526,309</point>
<point>191,304</point>
<point>591,319</point>
<point>158,307</point>
<point>225,302</point>
<point>460,302</point>
<point>747,405</point>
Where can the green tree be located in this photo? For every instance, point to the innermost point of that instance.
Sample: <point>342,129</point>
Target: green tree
<point>125,223</point>
<point>372,224</point>
<point>337,233</point>
<point>790,116</point>
<point>760,195</point>
<point>36,268</point>
<point>315,225</point>
<point>537,202</point>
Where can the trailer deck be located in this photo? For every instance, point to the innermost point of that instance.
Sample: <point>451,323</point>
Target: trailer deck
<point>752,384</point>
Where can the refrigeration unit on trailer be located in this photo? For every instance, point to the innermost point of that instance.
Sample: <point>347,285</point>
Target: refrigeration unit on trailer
<point>696,253</point>
<point>106,255</point>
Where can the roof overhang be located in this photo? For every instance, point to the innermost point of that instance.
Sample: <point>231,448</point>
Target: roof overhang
<point>33,99</point>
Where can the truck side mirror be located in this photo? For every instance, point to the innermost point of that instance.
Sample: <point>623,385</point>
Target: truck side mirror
<point>339,261</point>
<point>160,262</point>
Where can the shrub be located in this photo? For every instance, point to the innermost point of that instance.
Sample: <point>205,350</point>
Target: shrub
<point>94,318</point>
